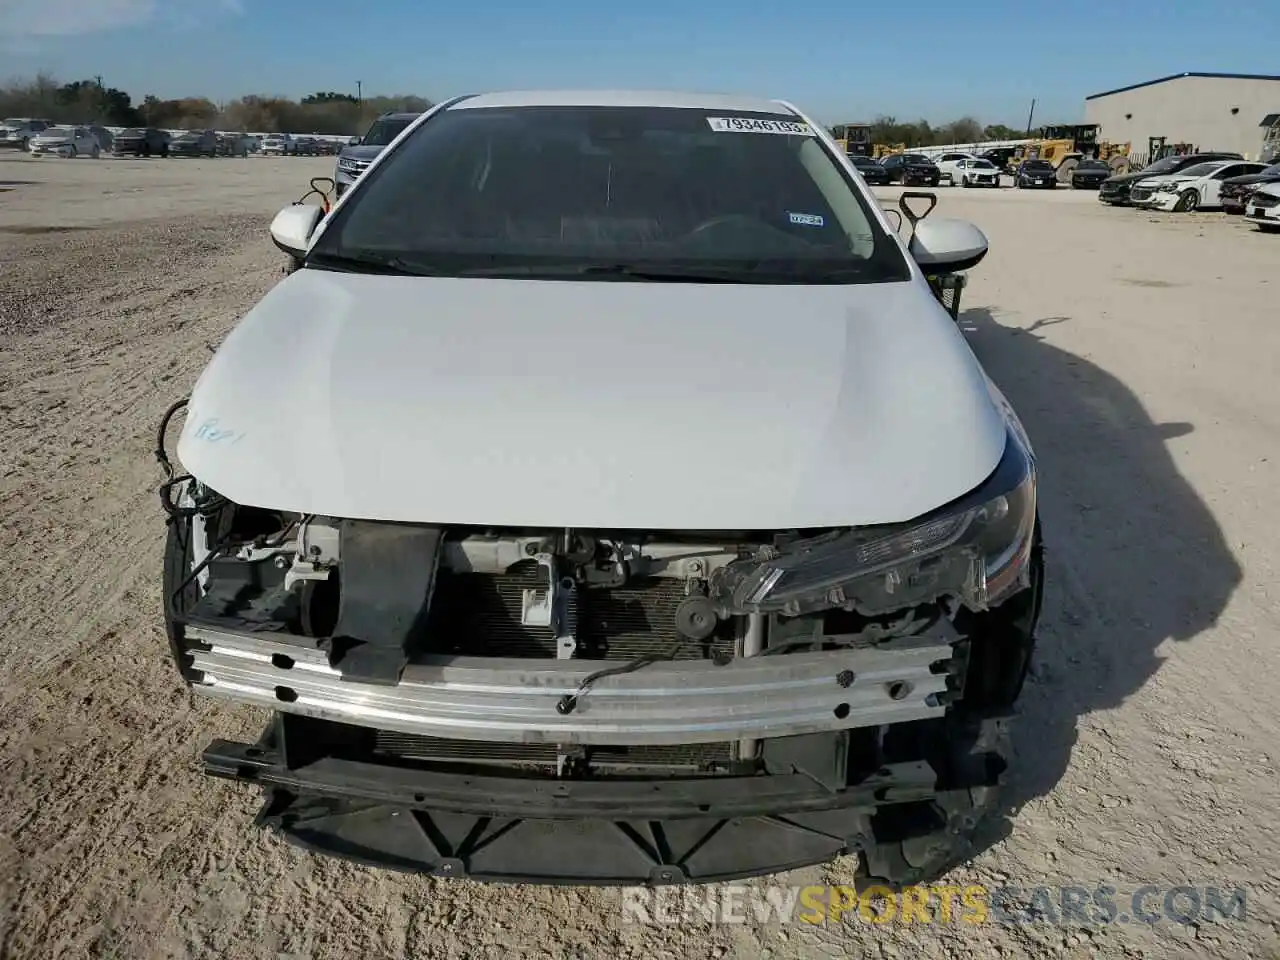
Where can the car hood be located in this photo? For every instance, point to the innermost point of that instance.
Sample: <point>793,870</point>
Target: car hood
<point>594,404</point>
<point>361,152</point>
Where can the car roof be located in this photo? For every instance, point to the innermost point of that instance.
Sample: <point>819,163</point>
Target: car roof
<point>622,98</point>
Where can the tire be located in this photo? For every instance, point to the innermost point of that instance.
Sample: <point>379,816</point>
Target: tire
<point>96,153</point>
<point>1188,201</point>
<point>964,182</point>
<point>25,146</point>
<point>1267,228</point>
<point>74,153</point>
<point>146,150</point>
<point>1067,169</point>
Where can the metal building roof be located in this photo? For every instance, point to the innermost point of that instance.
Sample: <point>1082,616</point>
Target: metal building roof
<point>1179,76</point>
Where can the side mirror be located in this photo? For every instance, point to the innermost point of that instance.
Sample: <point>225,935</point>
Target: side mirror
<point>292,228</point>
<point>946,246</point>
<point>355,141</point>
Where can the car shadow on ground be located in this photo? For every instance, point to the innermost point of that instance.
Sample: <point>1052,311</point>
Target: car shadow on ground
<point>1134,556</point>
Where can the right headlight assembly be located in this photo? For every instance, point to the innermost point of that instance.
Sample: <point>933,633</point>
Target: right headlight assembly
<point>977,549</point>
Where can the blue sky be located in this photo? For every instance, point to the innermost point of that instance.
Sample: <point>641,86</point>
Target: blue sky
<point>839,61</point>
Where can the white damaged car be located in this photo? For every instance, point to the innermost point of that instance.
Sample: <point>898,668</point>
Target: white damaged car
<point>607,498</point>
<point>1195,188</point>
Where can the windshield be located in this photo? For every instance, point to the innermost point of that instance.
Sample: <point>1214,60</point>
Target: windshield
<point>1038,165</point>
<point>1092,165</point>
<point>1271,171</point>
<point>384,131</point>
<point>1200,170</point>
<point>981,164</point>
<point>916,158</point>
<point>599,191</point>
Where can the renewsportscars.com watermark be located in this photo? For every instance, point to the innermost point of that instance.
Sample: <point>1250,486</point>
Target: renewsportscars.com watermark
<point>1099,905</point>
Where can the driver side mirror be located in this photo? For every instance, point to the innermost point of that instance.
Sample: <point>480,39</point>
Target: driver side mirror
<point>292,228</point>
<point>946,246</point>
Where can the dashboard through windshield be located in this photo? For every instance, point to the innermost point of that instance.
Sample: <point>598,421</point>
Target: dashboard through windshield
<point>612,192</point>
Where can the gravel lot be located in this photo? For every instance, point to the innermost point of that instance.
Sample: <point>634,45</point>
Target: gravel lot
<point>1141,351</point>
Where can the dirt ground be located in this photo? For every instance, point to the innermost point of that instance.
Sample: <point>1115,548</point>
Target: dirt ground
<point>1141,351</point>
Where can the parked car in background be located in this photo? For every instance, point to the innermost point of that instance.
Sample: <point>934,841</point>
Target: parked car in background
<point>912,169</point>
<point>1194,188</point>
<point>18,132</point>
<point>100,133</point>
<point>1115,190</point>
<point>65,142</point>
<point>972,172</point>
<point>305,147</point>
<point>233,145</point>
<point>1036,174</point>
<point>194,143</point>
<point>946,164</point>
<point>1002,157</point>
<point>279,145</point>
<point>872,172</point>
<point>355,158</point>
<point>1089,174</point>
<point>1264,207</point>
<point>141,142</point>
<point>1236,191</point>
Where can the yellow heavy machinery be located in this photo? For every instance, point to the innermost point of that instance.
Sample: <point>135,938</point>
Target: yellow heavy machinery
<point>1065,145</point>
<point>879,150</point>
<point>853,138</point>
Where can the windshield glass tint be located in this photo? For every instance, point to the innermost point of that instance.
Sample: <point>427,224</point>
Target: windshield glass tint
<point>384,131</point>
<point>980,164</point>
<point>1200,170</point>
<point>579,188</point>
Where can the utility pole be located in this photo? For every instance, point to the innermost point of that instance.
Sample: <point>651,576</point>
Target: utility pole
<point>1030,116</point>
<point>360,94</point>
<point>98,78</point>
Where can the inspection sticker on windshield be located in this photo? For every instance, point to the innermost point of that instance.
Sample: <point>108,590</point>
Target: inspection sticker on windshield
<point>806,219</point>
<point>752,125</point>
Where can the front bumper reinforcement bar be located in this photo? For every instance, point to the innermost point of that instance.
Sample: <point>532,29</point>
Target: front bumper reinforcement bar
<point>514,700</point>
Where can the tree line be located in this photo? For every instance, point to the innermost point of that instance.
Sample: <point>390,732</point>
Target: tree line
<point>89,101</point>
<point>887,129</point>
<point>332,112</point>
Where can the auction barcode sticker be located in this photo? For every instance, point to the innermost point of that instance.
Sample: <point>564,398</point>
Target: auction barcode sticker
<point>753,125</point>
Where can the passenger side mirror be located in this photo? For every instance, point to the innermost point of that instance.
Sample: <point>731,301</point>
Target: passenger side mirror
<point>946,246</point>
<point>292,228</point>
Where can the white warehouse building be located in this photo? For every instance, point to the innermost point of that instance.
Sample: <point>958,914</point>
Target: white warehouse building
<point>1209,111</point>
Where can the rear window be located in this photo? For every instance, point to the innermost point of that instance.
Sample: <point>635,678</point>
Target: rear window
<point>755,195</point>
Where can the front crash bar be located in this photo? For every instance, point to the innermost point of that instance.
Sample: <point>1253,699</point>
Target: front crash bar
<point>514,700</point>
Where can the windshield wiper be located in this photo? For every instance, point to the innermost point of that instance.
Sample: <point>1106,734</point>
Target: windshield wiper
<point>366,261</point>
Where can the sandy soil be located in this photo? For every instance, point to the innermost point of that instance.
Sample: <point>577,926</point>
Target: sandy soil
<point>1140,350</point>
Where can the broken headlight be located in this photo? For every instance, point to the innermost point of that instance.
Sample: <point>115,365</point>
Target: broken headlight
<point>976,549</point>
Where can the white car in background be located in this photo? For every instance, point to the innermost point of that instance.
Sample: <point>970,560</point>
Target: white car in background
<point>279,145</point>
<point>1195,188</point>
<point>1264,208</point>
<point>66,142</point>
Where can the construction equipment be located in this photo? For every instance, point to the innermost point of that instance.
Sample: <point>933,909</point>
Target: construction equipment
<point>1065,145</point>
<point>880,150</point>
<point>853,138</point>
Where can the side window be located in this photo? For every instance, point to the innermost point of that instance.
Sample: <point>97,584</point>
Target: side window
<point>1232,171</point>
